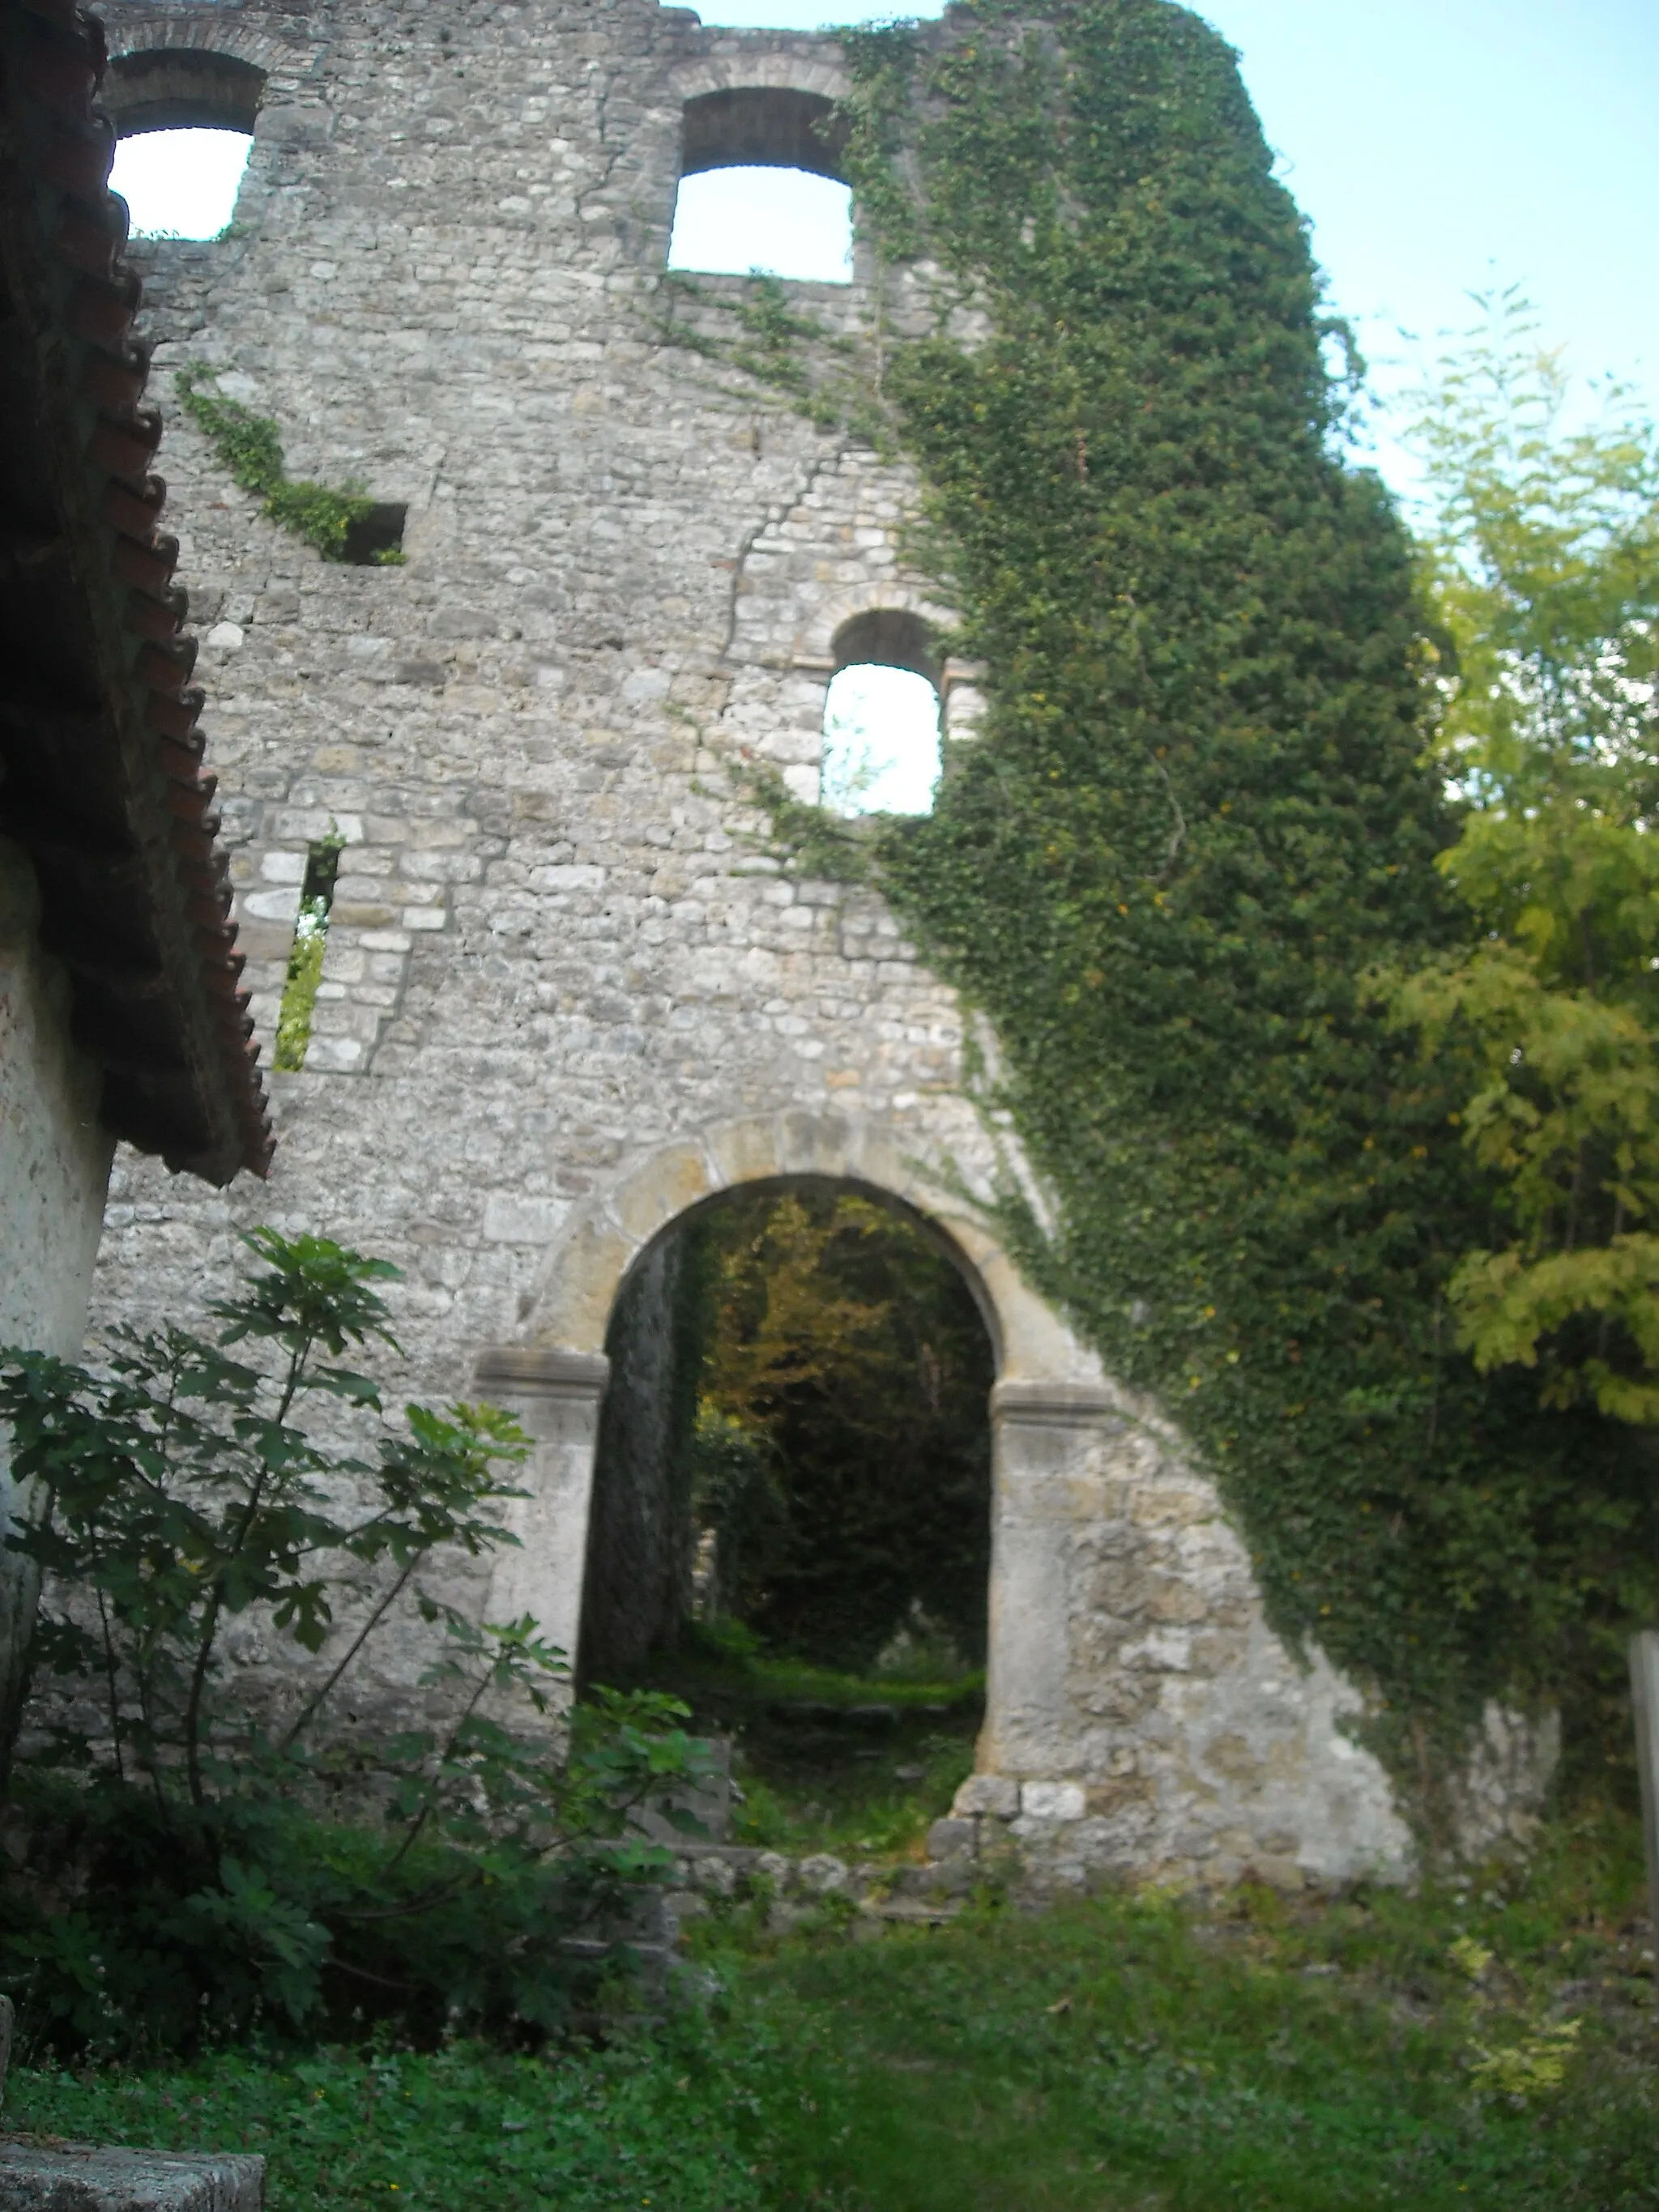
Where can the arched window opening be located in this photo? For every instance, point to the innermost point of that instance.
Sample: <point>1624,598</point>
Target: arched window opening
<point>180,184</point>
<point>881,718</point>
<point>185,119</point>
<point>791,1515</point>
<point>761,188</point>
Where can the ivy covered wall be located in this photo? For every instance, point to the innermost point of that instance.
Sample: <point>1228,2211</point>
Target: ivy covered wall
<point>1197,814</point>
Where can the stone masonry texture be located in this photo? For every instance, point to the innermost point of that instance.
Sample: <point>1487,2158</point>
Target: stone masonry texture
<point>567,992</point>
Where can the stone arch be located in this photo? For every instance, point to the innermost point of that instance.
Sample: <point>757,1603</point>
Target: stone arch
<point>175,70</point>
<point>1049,1387</point>
<point>831,615</point>
<point>783,69</point>
<point>890,637</point>
<point>580,1279</point>
<point>635,1586</point>
<point>211,34</point>
<point>762,126</point>
<point>183,89</point>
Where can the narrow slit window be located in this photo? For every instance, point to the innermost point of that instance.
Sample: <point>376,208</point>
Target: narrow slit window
<point>180,184</point>
<point>305,961</point>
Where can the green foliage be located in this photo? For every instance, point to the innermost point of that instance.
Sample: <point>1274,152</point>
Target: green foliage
<point>827,1759</point>
<point>1249,2054</point>
<point>305,973</point>
<point>810,366</point>
<point>659,2122</point>
<point>1544,568</point>
<point>1254,2056</point>
<point>250,446</point>
<point>817,842</point>
<point>305,959</point>
<point>1196,818</point>
<point>844,1380</point>
<point>177,1492</point>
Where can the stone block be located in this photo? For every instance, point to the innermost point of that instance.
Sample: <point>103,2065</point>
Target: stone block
<point>997,1795</point>
<point>512,1219</point>
<point>677,1178</point>
<point>1053,1801</point>
<point>945,1839</point>
<point>90,2177</point>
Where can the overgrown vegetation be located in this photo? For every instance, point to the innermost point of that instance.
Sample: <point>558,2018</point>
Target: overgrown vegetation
<point>825,1758</point>
<point>1198,829</point>
<point>1486,2044</point>
<point>196,1859</point>
<point>842,1461</point>
<point>1545,578</point>
<point>250,446</point>
<point>822,1529</point>
<point>305,959</point>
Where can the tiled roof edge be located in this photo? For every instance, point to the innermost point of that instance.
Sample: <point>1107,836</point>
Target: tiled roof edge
<point>199,1102</point>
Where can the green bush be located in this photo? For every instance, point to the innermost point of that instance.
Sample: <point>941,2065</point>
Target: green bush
<point>198,1861</point>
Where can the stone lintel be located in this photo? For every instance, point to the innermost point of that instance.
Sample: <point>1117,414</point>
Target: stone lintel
<point>528,1370</point>
<point>1056,1405</point>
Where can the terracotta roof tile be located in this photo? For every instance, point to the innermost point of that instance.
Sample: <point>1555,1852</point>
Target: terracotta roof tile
<point>99,736</point>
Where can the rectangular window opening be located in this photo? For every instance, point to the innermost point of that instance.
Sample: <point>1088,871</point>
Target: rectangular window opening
<point>375,540</point>
<point>305,961</point>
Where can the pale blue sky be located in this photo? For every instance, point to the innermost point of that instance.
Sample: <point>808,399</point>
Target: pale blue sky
<point>1441,145</point>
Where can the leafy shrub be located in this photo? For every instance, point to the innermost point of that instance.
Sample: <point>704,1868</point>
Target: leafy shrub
<point>204,1859</point>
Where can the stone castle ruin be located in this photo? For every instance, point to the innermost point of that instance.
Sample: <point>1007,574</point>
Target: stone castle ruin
<point>569,996</point>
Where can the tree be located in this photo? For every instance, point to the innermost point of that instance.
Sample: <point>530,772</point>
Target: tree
<point>843,1450</point>
<point>1543,569</point>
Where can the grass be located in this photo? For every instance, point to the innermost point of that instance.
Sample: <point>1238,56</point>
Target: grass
<point>1120,2054</point>
<point>1131,2052</point>
<point>463,2130</point>
<point>858,1764</point>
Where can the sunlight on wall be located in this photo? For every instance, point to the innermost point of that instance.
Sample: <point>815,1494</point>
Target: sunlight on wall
<point>880,742</point>
<point>729,222</point>
<point>180,184</point>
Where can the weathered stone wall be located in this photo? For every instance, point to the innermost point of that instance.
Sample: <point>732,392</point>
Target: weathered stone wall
<point>54,1165</point>
<point>568,993</point>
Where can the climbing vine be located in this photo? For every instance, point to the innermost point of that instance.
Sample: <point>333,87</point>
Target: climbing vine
<point>250,446</point>
<point>1197,813</point>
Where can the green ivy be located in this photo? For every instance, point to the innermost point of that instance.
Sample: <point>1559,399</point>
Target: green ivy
<point>815,369</point>
<point>250,446</point>
<point>1196,814</point>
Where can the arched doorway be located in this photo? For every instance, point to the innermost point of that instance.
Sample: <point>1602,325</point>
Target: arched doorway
<point>791,1517</point>
<point>1048,1400</point>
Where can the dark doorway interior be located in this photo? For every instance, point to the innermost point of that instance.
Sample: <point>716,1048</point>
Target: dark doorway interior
<point>791,1520</point>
